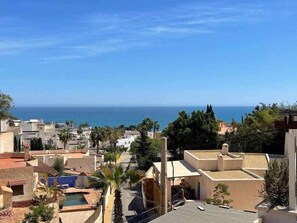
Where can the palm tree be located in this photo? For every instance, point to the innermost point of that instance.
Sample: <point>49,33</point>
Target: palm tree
<point>146,124</point>
<point>64,136</point>
<point>95,136</point>
<point>114,135</point>
<point>105,134</point>
<point>99,134</point>
<point>156,127</point>
<point>49,193</point>
<point>116,177</point>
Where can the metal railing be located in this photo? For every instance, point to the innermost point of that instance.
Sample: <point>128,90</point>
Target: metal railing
<point>151,216</point>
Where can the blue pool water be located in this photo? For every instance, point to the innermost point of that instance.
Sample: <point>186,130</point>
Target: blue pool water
<point>75,199</point>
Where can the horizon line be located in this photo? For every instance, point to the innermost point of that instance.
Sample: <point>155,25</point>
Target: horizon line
<point>123,106</point>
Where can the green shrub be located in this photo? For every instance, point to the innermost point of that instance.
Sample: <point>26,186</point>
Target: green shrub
<point>41,212</point>
<point>220,196</point>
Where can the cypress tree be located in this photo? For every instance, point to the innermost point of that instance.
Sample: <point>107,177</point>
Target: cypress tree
<point>15,144</point>
<point>19,144</point>
<point>39,144</point>
<point>143,150</point>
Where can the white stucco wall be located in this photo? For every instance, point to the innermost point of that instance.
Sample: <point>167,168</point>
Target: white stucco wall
<point>276,216</point>
<point>6,142</point>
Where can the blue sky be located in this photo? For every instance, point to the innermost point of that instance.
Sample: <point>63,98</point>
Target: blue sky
<point>154,52</point>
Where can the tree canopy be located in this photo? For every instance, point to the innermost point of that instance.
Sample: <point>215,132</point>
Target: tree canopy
<point>6,103</point>
<point>64,136</point>
<point>59,165</point>
<point>146,150</point>
<point>256,132</point>
<point>36,144</point>
<point>99,134</point>
<point>198,130</point>
<point>147,124</point>
<point>84,125</point>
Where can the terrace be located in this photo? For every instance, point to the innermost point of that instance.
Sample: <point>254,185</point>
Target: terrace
<point>229,174</point>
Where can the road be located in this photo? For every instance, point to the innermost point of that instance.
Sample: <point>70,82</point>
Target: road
<point>131,197</point>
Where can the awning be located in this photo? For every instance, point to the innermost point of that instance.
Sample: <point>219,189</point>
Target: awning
<point>178,168</point>
<point>17,182</point>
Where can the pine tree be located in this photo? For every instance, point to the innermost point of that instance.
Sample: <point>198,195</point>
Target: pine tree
<point>143,151</point>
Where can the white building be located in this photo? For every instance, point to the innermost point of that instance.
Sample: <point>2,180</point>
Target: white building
<point>126,142</point>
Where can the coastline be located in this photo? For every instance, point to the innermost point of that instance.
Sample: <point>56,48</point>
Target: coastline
<point>115,116</point>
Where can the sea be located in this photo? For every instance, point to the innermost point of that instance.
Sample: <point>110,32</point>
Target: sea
<point>115,116</point>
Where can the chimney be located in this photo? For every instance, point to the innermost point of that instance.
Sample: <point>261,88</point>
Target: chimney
<point>163,194</point>
<point>225,149</point>
<point>26,152</point>
<point>242,155</point>
<point>220,162</point>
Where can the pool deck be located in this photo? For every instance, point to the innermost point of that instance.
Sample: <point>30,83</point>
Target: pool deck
<point>92,197</point>
<point>78,216</point>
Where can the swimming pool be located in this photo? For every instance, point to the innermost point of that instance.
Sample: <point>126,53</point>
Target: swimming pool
<point>73,199</point>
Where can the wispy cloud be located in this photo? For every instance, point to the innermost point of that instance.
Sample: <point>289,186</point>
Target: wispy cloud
<point>94,49</point>
<point>100,33</point>
<point>16,46</point>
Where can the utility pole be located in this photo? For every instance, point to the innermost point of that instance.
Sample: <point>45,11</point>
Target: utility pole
<point>290,124</point>
<point>163,193</point>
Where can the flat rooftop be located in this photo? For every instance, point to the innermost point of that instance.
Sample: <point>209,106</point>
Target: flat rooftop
<point>255,161</point>
<point>229,174</point>
<point>7,163</point>
<point>252,160</point>
<point>207,154</point>
<point>58,152</point>
<point>73,155</point>
<point>213,214</point>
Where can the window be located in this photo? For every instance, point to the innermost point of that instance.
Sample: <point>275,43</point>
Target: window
<point>17,190</point>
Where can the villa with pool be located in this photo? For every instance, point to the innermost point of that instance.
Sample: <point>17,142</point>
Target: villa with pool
<point>25,178</point>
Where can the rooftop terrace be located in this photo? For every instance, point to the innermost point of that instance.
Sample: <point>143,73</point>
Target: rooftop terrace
<point>255,161</point>
<point>207,154</point>
<point>229,174</point>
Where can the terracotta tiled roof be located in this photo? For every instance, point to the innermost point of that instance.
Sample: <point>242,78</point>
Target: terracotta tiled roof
<point>43,168</point>
<point>7,163</point>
